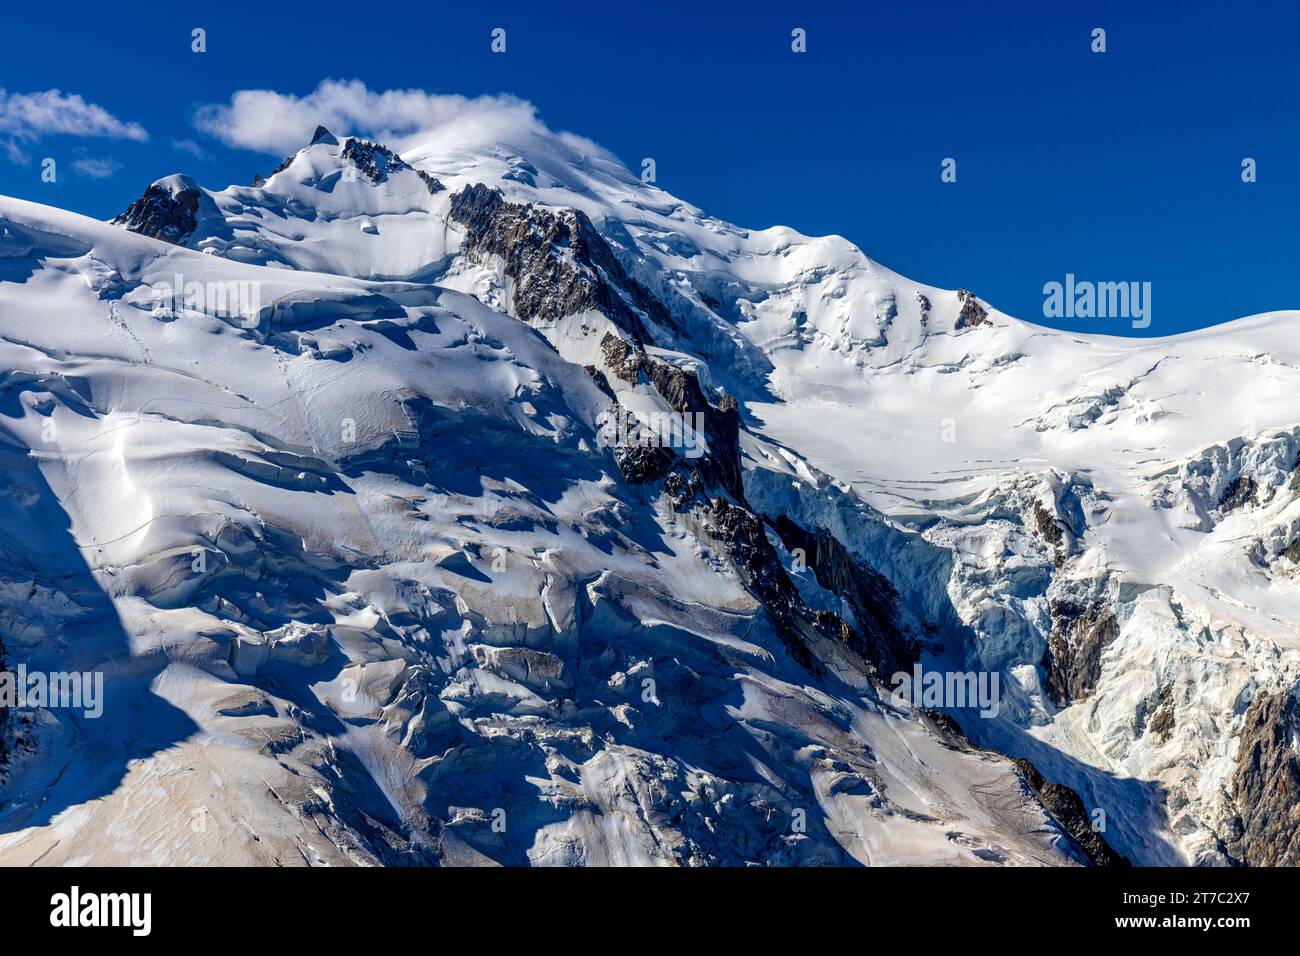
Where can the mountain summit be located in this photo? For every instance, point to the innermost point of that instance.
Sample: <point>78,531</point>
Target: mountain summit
<point>484,504</point>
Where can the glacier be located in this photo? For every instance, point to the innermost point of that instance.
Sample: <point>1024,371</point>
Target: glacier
<point>318,472</point>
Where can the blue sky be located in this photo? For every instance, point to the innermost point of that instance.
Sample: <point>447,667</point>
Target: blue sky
<point>1122,166</point>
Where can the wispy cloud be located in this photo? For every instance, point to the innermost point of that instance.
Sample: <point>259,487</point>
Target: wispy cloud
<point>96,168</point>
<point>26,118</point>
<point>191,147</point>
<point>278,123</point>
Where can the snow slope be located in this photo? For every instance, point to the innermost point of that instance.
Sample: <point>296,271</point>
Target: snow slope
<point>429,603</point>
<point>1165,470</point>
<point>370,585</point>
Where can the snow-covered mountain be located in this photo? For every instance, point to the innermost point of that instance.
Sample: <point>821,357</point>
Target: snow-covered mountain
<point>336,479</point>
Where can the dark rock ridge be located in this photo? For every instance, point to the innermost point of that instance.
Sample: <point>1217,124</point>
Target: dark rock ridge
<point>1062,802</point>
<point>641,464</point>
<point>1073,657</point>
<point>1069,810</point>
<point>760,568</point>
<point>372,160</point>
<point>377,162</point>
<point>710,487</point>
<point>1049,529</point>
<point>1162,721</point>
<point>972,313</point>
<point>745,538</point>
<point>1265,785</point>
<point>560,264</point>
<point>163,214</point>
<point>700,486</point>
<point>681,389</point>
<point>872,597</point>
<point>1241,492</point>
<point>924,302</point>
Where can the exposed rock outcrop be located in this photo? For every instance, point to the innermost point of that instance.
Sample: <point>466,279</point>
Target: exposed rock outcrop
<point>560,264</point>
<point>711,486</point>
<point>1062,802</point>
<point>640,464</point>
<point>681,389</point>
<point>972,313</point>
<point>1265,785</point>
<point>759,567</point>
<point>868,593</point>
<point>322,135</point>
<point>168,210</point>
<point>1241,492</point>
<point>377,162</point>
<point>1073,658</point>
<point>1162,721</point>
<point>1069,810</point>
<point>372,160</point>
<point>1047,527</point>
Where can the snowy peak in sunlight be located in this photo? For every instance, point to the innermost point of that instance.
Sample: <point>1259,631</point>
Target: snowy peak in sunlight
<point>427,485</point>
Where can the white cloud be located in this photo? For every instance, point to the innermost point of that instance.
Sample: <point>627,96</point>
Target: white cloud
<point>279,123</point>
<point>189,146</point>
<point>96,168</point>
<point>27,117</point>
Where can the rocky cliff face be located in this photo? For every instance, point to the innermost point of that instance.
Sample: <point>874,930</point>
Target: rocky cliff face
<point>1069,809</point>
<point>1074,646</point>
<point>1265,784</point>
<point>710,489</point>
<point>873,600</point>
<point>559,263</point>
<point>972,314</point>
<point>681,391</point>
<point>377,162</point>
<point>168,211</point>
<point>443,617</point>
